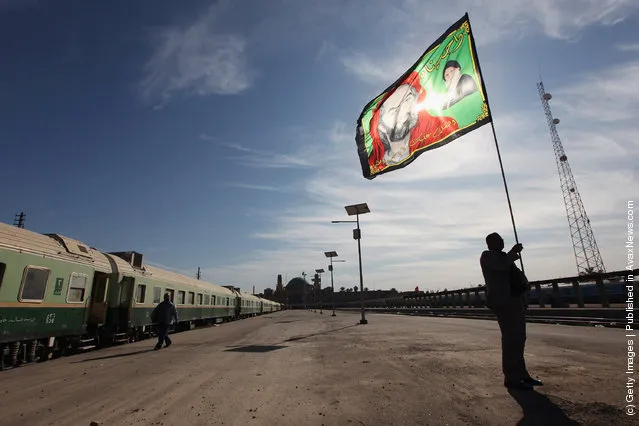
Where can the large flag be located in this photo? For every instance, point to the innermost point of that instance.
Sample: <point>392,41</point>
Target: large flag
<point>439,99</point>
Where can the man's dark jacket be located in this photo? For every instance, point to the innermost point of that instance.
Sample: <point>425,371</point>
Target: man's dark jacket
<point>164,313</point>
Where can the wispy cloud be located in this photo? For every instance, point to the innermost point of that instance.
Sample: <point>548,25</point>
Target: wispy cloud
<point>262,159</point>
<point>254,187</point>
<point>197,60</point>
<point>595,88</point>
<point>401,37</point>
<point>628,47</point>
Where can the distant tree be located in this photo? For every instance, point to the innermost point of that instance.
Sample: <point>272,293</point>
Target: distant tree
<point>342,289</point>
<point>349,290</point>
<point>393,290</point>
<point>355,289</point>
<point>365,288</point>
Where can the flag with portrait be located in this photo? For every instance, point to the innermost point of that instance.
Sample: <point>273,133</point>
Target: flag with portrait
<point>439,99</point>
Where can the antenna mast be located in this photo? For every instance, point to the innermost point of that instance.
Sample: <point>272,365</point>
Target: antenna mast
<point>583,240</point>
<point>18,220</point>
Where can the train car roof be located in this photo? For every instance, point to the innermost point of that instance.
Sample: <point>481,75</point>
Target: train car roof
<point>248,296</point>
<point>63,248</point>
<point>54,246</point>
<point>164,275</point>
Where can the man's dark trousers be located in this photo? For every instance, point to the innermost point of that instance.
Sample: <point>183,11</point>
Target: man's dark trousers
<point>163,335</point>
<point>512,322</point>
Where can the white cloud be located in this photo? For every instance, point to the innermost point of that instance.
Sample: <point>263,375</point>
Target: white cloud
<point>628,47</point>
<point>197,60</point>
<point>596,89</point>
<point>429,220</point>
<point>402,37</point>
<point>253,187</point>
<point>263,159</point>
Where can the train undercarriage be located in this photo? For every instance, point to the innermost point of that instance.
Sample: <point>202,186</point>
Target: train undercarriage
<point>31,351</point>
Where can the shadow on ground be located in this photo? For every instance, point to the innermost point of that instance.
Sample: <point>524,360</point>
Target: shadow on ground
<point>296,338</point>
<point>255,349</point>
<point>539,410</point>
<point>114,356</point>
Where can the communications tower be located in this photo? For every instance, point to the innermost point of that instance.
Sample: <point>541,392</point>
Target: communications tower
<point>583,240</point>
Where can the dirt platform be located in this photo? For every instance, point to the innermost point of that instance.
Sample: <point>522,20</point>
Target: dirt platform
<point>303,368</point>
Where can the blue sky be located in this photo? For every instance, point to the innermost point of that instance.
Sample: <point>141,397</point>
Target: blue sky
<point>222,134</point>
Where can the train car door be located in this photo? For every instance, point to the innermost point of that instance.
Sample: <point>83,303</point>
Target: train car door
<point>238,306</point>
<point>261,307</point>
<point>98,304</point>
<point>124,305</point>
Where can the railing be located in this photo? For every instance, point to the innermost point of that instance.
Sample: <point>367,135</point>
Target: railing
<point>607,290</point>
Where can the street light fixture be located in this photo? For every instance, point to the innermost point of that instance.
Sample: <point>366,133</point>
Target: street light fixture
<point>356,210</point>
<point>320,272</point>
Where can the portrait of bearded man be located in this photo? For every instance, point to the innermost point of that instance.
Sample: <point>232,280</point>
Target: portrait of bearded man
<point>402,125</point>
<point>459,85</point>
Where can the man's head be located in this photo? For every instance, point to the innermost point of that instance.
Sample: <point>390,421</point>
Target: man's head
<point>495,242</point>
<point>398,115</point>
<point>167,298</point>
<point>451,73</point>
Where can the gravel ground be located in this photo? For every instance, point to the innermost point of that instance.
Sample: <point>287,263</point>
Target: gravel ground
<point>303,368</point>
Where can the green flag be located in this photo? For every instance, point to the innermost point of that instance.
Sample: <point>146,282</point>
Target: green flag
<point>439,99</point>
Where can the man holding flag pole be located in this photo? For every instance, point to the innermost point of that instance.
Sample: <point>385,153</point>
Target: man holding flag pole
<point>439,99</point>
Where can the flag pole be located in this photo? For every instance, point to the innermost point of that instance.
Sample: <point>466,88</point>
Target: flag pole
<point>492,125</point>
<point>503,176</point>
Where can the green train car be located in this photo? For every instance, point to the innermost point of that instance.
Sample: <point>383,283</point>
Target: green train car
<point>59,295</point>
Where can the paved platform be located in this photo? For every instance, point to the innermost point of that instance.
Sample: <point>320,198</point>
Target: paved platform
<point>303,368</point>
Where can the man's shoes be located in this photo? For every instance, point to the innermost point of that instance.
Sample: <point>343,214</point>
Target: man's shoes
<point>157,348</point>
<point>517,384</point>
<point>168,344</point>
<point>533,382</point>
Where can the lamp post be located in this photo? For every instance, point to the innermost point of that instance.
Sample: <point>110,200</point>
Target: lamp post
<point>331,255</point>
<point>320,272</point>
<point>304,289</point>
<point>356,210</point>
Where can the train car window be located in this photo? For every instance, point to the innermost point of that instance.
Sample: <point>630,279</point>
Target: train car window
<point>199,299</point>
<point>77,288</point>
<point>171,294</point>
<point>157,294</point>
<point>34,284</point>
<point>2,268</point>
<point>140,293</point>
<point>181,295</point>
<point>191,298</point>
<point>207,300</point>
<point>212,300</point>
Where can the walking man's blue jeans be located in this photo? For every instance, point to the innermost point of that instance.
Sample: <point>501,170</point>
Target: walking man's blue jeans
<point>163,335</point>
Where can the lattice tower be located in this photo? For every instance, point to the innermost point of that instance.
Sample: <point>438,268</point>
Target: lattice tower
<point>583,240</point>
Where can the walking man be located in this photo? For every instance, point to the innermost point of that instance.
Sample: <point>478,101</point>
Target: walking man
<point>162,316</point>
<point>497,268</point>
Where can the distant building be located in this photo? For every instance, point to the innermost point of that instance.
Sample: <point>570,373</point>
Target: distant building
<point>299,292</point>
